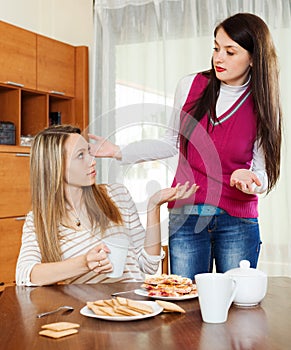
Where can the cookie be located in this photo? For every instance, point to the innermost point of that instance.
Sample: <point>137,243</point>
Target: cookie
<point>57,334</point>
<point>60,326</point>
<point>170,307</point>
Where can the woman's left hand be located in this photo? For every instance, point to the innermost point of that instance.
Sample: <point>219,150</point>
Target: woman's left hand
<point>172,193</point>
<point>244,180</point>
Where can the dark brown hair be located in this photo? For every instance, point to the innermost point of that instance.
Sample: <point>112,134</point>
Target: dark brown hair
<point>251,33</point>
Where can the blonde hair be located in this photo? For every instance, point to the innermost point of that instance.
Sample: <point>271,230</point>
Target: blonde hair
<point>47,173</point>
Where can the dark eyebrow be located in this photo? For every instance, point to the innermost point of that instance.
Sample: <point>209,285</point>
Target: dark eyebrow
<point>227,46</point>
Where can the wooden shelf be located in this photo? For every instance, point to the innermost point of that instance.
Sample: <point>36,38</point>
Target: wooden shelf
<point>46,76</point>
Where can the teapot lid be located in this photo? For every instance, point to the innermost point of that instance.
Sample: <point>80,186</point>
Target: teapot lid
<point>244,269</point>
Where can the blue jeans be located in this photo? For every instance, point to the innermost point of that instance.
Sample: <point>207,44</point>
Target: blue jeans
<point>196,241</point>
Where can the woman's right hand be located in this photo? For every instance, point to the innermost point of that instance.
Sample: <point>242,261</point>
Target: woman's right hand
<point>97,259</point>
<point>102,148</point>
<point>172,194</point>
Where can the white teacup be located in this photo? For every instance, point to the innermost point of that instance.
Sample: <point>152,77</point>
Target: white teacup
<point>216,292</point>
<point>118,246</point>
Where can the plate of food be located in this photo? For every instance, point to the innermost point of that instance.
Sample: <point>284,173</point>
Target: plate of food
<point>121,309</point>
<point>168,287</point>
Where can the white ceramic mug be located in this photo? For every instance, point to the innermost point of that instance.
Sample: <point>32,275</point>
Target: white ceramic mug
<point>216,292</point>
<point>118,246</point>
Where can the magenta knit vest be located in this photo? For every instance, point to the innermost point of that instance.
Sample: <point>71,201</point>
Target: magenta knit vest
<point>214,155</point>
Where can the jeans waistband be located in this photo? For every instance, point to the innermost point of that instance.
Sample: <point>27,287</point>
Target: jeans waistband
<point>198,209</point>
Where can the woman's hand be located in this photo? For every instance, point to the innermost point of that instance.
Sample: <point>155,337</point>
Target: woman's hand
<point>152,242</point>
<point>103,148</point>
<point>97,260</point>
<point>244,180</point>
<point>172,194</point>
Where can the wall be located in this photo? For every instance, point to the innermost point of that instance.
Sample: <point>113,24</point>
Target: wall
<point>70,21</point>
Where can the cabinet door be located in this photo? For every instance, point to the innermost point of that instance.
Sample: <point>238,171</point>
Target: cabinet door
<point>10,242</point>
<point>55,66</point>
<point>17,56</point>
<point>14,184</point>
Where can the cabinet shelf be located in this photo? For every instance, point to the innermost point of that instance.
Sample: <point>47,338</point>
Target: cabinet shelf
<point>29,110</point>
<point>38,76</point>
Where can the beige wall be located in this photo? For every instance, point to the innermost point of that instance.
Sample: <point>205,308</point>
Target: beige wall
<point>70,21</point>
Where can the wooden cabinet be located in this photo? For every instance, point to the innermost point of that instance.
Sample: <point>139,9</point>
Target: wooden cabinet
<point>14,184</point>
<point>14,204</point>
<point>40,75</point>
<point>55,66</point>
<point>10,242</point>
<point>17,56</point>
<point>47,76</point>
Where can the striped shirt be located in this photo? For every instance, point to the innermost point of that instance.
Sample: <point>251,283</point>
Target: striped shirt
<point>78,242</point>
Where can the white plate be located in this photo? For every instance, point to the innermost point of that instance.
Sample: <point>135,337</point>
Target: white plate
<point>144,293</point>
<point>85,311</point>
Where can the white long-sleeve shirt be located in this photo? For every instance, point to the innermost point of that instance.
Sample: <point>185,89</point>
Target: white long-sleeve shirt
<point>146,150</point>
<point>75,243</point>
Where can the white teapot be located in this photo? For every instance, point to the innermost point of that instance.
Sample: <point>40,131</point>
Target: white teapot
<point>251,284</point>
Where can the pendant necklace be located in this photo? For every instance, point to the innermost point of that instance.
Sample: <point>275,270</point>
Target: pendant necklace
<point>76,217</point>
<point>78,222</point>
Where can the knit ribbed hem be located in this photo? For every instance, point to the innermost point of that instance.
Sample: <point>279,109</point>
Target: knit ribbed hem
<point>237,208</point>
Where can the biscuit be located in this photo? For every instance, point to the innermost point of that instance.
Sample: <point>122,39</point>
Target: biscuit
<point>121,301</point>
<point>119,307</point>
<point>143,308</point>
<point>60,326</point>
<point>57,334</point>
<point>126,311</point>
<point>170,307</point>
<point>96,309</point>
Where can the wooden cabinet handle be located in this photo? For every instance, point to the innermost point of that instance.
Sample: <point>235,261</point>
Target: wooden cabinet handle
<point>22,155</point>
<point>14,83</point>
<point>57,92</point>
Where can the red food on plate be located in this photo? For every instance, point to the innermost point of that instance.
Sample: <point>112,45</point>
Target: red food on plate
<point>169,286</point>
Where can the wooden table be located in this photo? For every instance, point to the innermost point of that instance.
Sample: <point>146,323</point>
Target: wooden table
<point>266,327</point>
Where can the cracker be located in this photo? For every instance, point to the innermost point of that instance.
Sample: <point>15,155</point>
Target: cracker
<point>99,303</point>
<point>126,311</point>
<point>122,311</point>
<point>57,334</point>
<point>115,302</point>
<point>139,306</point>
<point>96,309</point>
<point>60,326</point>
<point>170,307</point>
<point>121,301</point>
<point>119,307</point>
<point>109,311</point>
<point>109,302</point>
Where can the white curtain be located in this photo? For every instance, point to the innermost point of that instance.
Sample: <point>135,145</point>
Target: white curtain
<point>142,48</point>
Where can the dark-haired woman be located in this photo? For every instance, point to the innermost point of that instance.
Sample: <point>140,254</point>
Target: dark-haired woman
<point>229,123</point>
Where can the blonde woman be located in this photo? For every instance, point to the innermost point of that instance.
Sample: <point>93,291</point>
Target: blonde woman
<point>62,235</point>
